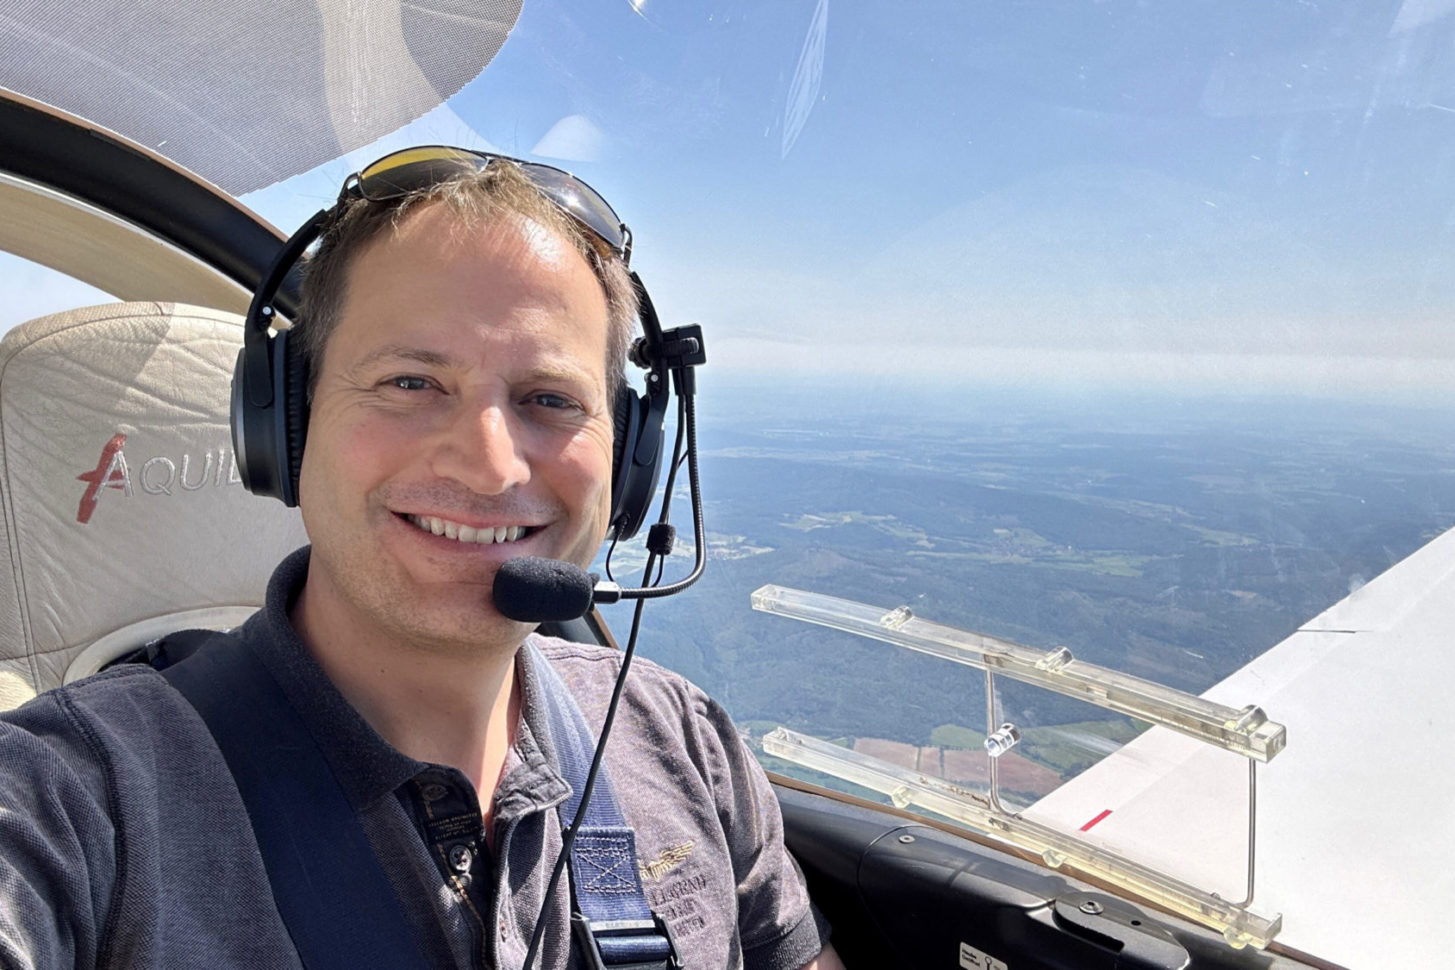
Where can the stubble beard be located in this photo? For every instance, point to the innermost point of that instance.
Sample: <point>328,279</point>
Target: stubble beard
<point>387,604</point>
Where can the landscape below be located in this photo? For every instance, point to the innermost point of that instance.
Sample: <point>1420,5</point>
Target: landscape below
<point>1172,537</point>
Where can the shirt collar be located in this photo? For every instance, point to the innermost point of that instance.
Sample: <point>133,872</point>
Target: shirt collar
<point>534,782</point>
<point>368,767</point>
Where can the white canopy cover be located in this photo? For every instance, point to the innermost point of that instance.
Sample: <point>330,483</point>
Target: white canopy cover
<point>246,95</point>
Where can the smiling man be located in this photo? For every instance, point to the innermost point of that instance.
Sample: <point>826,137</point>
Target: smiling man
<point>460,418</point>
<point>464,337</point>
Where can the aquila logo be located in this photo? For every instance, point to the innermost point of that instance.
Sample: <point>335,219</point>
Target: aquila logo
<point>159,475</point>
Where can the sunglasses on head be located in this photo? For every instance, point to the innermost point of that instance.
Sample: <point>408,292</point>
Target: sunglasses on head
<point>414,169</point>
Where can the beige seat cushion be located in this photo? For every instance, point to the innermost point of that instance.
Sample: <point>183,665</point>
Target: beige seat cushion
<point>123,513</point>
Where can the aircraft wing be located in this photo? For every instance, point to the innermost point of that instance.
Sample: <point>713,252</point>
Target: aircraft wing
<point>1354,821</point>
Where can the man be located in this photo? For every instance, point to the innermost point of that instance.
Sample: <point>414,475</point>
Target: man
<point>464,340</point>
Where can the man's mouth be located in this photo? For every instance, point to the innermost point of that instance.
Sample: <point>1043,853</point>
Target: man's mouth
<point>467,533</point>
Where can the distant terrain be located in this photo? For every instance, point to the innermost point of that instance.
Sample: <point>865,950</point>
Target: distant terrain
<point>1175,538</point>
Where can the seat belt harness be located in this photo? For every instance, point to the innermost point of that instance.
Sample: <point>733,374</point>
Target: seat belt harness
<point>336,901</point>
<point>610,917</point>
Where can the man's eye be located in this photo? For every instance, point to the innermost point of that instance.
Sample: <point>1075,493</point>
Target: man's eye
<point>548,400</point>
<point>408,383</point>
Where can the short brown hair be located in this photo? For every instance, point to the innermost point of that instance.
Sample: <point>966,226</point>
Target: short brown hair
<point>499,191</point>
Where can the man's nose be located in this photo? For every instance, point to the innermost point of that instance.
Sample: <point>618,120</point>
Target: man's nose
<point>481,449</point>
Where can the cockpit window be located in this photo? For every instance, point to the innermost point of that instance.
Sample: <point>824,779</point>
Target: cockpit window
<point>33,290</point>
<point>1119,328</point>
<point>1085,325</point>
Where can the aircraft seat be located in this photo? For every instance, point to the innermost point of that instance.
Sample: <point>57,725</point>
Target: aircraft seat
<point>120,503</point>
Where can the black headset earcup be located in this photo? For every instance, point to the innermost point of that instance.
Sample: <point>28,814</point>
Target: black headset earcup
<point>636,459</point>
<point>270,383</point>
<point>241,418</point>
<point>625,422</point>
<point>267,439</point>
<point>622,423</point>
<point>295,414</point>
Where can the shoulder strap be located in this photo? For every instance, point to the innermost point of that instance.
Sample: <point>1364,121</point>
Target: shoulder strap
<point>330,888</point>
<point>610,916</point>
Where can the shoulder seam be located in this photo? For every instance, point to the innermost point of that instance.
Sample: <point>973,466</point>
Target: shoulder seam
<point>104,941</point>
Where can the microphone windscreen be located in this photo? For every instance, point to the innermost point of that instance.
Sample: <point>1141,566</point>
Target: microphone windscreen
<point>534,590</point>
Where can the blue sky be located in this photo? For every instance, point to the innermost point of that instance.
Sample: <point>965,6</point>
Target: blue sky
<point>1241,192</point>
<point>1251,191</point>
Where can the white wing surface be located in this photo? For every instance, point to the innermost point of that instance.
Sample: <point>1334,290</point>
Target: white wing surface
<point>1355,820</point>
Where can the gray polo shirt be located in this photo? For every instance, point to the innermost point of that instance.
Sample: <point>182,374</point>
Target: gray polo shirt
<point>124,842</point>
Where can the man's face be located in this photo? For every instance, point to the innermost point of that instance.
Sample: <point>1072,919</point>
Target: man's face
<point>463,392</point>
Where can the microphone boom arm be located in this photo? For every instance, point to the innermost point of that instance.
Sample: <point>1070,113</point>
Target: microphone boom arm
<point>683,350</point>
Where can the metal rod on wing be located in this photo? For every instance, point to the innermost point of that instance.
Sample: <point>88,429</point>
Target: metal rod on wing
<point>991,723</point>
<point>905,787</point>
<point>1246,731</point>
<point>1252,826</point>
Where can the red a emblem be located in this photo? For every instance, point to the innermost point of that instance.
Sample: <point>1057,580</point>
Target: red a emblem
<point>110,472</point>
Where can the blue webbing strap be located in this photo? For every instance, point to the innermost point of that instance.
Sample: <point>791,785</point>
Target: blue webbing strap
<point>332,892</point>
<point>605,883</point>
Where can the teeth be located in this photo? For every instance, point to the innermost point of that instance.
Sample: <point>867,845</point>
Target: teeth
<point>467,533</point>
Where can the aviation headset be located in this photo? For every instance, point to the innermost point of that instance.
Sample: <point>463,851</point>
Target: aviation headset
<point>270,400</point>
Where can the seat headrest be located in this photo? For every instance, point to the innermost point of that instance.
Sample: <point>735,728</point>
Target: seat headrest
<point>122,509</point>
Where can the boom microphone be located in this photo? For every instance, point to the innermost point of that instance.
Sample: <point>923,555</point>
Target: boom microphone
<point>530,589</point>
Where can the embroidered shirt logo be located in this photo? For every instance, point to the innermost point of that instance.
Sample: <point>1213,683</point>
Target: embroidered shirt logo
<point>159,475</point>
<point>667,860</point>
